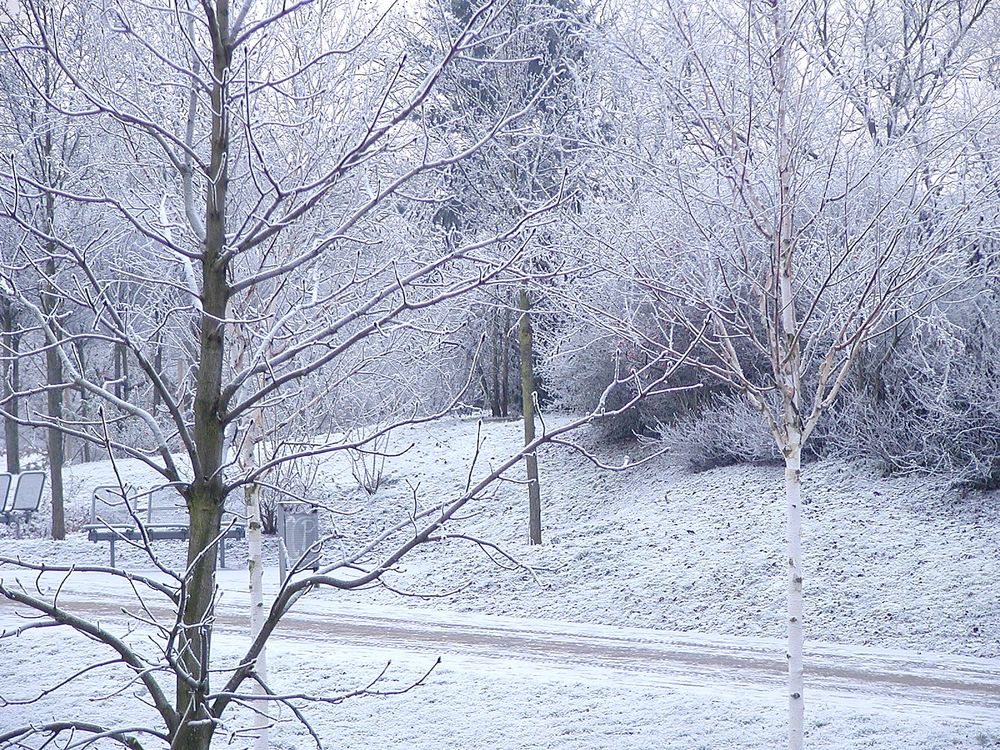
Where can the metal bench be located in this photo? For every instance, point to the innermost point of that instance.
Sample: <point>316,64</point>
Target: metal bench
<point>127,513</point>
<point>22,494</point>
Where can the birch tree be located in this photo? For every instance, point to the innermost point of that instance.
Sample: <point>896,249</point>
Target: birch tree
<point>773,217</point>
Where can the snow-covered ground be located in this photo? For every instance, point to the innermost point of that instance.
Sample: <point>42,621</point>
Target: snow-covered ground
<point>891,564</point>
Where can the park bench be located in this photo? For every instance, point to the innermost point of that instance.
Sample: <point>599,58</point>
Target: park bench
<point>118,513</point>
<point>21,495</point>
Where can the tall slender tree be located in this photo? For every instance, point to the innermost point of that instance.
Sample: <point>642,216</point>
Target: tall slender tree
<point>780,213</point>
<point>46,148</point>
<point>511,174</point>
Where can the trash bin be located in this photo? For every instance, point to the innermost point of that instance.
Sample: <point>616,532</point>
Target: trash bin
<point>298,531</point>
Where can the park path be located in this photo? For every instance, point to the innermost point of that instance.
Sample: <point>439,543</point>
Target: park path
<point>893,681</point>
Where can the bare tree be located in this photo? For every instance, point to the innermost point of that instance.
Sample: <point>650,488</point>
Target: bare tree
<point>255,168</point>
<point>48,147</point>
<point>760,215</point>
<point>491,187</point>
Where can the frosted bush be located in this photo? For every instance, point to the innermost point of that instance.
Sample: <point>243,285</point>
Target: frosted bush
<point>726,432</point>
<point>933,404</point>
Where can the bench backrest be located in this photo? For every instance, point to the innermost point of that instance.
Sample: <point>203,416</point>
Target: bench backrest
<point>165,506</point>
<point>6,496</point>
<point>110,504</point>
<point>28,491</point>
<point>161,506</point>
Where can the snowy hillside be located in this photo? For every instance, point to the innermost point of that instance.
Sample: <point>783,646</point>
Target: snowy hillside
<point>895,562</point>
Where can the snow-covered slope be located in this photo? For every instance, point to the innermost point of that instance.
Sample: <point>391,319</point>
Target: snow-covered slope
<point>900,563</point>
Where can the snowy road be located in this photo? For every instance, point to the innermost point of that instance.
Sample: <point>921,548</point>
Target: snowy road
<point>938,684</point>
<point>868,679</point>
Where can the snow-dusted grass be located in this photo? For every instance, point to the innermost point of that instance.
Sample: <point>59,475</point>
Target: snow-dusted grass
<point>892,563</point>
<point>903,563</point>
<point>475,703</point>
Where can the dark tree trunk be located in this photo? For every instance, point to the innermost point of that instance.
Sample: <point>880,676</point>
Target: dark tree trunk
<point>503,344</point>
<point>11,385</point>
<point>206,495</point>
<point>205,509</point>
<point>54,397</point>
<point>81,357</point>
<point>56,451</point>
<point>528,411</point>
<point>497,346</point>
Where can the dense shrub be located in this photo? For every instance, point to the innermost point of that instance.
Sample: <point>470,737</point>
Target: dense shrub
<point>725,432</point>
<point>578,374</point>
<point>927,400</point>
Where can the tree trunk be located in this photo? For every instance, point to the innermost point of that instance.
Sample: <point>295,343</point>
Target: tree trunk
<point>787,364</point>
<point>126,386</point>
<point>158,363</point>
<point>796,681</point>
<point>194,645</point>
<point>205,501</point>
<point>497,344</point>
<point>54,398</point>
<point>81,356</point>
<point>503,345</point>
<point>57,458</point>
<point>123,389</point>
<point>528,411</point>
<point>255,566</point>
<point>11,385</point>
<point>206,495</point>
<point>116,358</point>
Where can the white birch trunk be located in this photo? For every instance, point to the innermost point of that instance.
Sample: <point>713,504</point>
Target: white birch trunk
<point>793,496</point>
<point>255,568</point>
<point>786,361</point>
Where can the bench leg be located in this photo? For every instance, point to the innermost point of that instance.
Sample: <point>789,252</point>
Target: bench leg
<point>112,552</point>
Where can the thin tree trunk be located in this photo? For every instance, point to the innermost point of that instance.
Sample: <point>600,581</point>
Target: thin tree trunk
<point>126,386</point>
<point>528,411</point>
<point>158,363</point>
<point>796,680</point>
<point>57,458</point>
<point>181,374</point>
<point>54,399</point>
<point>84,397</point>
<point>503,345</point>
<point>255,566</point>
<point>484,383</point>
<point>786,361</point>
<point>116,357</point>
<point>122,387</point>
<point>497,343</point>
<point>11,385</point>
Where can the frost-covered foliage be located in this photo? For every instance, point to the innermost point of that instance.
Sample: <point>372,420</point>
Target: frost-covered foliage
<point>586,365</point>
<point>727,431</point>
<point>580,377</point>
<point>928,398</point>
<point>923,398</point>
